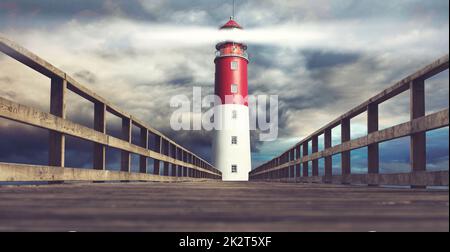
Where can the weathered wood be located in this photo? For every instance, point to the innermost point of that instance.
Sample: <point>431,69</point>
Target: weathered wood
<point>56,149</point>
<point>418,139</point>
<point>415,179</point>
<point>125,160</point>
<point>29,59</point>
<point>297,166</point>
<point>429,122</point>
<point>239,207</point>
<point>24,114</point>
<point>426,72</point>
<point>24,173</point>
<point>305,164</point>
<point>143,162</point>
<point>328,162</point>
<point>373,157</point>
<point>156,163</point>
<point>291,170</point>
<point>315,162</point>
<point>100,126</point>
<point>345,155</point>
<point>33,61</point>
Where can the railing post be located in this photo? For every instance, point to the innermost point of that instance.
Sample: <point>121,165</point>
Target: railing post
<point>292,167</point>
<point>345,155</point>
<point>100,126</point>
<point>418,140</point>
<point>305,164</point>
<point>180,158</point>
<point>58,108</point>
<point>329,158</point>
<point>126,136</point>
<point>156,162</point>
<point>373,158</point>
<point>143,161</point>
<point>166,147</point>
<point>315,162</point>
<point>297,166</point>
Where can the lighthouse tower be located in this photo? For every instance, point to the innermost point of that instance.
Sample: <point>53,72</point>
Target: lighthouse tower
<point>231,143</point>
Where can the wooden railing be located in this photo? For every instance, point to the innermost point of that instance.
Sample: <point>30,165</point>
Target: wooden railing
<point>292,165</point>
<point>177,161</point>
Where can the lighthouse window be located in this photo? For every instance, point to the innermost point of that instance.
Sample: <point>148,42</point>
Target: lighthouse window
<point>234,88</point>
<point>234,65</point>
<point>234,168</point>
<point>234,114</point>
<point>234,140</point>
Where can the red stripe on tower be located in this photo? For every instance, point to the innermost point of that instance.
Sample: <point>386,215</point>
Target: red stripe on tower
<point>231,69</point>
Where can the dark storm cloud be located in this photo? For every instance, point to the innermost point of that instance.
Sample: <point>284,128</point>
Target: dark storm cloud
<point>56,9</point>
<point>321,59</point>
<point>23,144</point>
<point>214,11</point>
<point>307,81</point>
<point>181,81</point>
<point>86,10</point>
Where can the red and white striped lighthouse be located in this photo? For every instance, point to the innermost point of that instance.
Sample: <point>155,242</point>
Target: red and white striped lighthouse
<point>231,143</point>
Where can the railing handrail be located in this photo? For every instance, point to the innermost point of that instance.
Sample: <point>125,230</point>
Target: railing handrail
<point>432,69</point>
<point>38,64</point>
<point>405,84</point>
<point>35,62</point>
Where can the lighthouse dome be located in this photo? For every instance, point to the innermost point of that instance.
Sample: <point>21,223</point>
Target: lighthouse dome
<point>231,24</point>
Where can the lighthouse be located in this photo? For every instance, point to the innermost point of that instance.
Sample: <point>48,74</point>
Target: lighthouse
<point>231,142</point>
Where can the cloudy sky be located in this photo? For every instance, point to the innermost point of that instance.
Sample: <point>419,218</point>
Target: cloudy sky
<point>320,57</point>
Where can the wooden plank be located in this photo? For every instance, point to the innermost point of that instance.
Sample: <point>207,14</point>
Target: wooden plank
<point>29,59</point>
<point>421,179</point>
<point>187,207</point>
<point>23,173</point>
<point>31,116</point>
